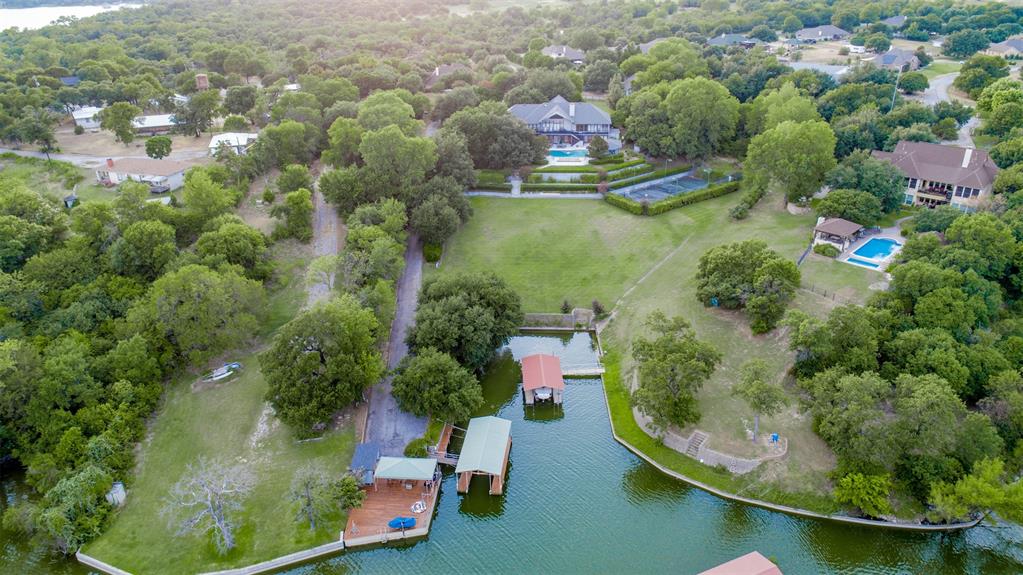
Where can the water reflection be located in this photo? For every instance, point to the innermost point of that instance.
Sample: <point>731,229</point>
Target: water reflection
<point>644,485</point>
<point>542,412</point>
<point>478,502</point>
<point>738,521</point>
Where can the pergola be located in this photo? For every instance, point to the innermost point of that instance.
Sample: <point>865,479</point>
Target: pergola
<point>405,468</point>
<point>837,231</point>
<point>485,451</point>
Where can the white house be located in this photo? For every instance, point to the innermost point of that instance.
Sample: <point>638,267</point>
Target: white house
<point>238,142</point>
<point>155,124</point>
<point>156,173</point>
<point>87,117</point>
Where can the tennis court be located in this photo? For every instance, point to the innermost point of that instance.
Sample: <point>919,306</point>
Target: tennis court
<point>663,189</point>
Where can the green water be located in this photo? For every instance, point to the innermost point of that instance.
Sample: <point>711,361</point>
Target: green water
<point>578,502</point>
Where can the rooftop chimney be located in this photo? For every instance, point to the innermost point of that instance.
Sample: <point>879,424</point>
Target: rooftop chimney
<point>967,156</point>
<point>110,162</point>
<point>202,82</point>
<point>571,110</point>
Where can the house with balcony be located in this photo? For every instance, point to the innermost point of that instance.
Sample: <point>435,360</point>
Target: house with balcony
<point>568,124</point>
<point>938,175</point>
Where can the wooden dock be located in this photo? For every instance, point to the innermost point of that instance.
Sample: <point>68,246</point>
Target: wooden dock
<point>367,525</point>
<point>583,371</point>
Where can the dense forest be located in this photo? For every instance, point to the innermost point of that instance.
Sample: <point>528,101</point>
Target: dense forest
<point>919,392</point>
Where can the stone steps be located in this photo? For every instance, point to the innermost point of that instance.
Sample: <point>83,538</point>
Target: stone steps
<point>695,442</point>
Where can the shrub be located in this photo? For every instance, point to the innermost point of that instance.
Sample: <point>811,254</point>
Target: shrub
<point>268,196</point>
<point>739,212</point>
<point>432,252</point>
<point>79,130</point>
<point>598,309</point>
<point>826,250</point>
<point>417,447</point>
<point>566,307</point>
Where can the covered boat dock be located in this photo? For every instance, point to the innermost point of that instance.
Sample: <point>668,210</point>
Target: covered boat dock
<point>542,379</point>
<point>485,451</point>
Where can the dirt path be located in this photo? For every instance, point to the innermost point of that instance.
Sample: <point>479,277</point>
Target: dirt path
<point>327,239</point>
<point>388,425</point>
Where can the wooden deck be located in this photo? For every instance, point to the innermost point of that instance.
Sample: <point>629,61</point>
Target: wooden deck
<point>368,524</point>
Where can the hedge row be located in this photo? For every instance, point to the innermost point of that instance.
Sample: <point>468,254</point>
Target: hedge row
<point>560,187</point>
<point>630,172</point>
<point>668,204</point>
<point>651,176</point>
<point>493,187</point>
<point>612,159</point>
<point>623,165</point>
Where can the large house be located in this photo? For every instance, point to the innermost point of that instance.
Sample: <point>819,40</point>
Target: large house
<point>897,59</point>
<point>1011,48</point>
<point>939,175</point>
<point>821,33</point>
<point>562,52</point>
<point>568,123</point>
<point>161,175</point>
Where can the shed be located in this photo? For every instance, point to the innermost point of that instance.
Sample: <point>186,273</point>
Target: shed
<point>485,451</point>
<point>749,564</point>
<point>836,231</point>
<point>542,379</point>
<point>364,461</point>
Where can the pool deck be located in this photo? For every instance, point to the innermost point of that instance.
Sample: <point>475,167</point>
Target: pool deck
<point>882,263</point>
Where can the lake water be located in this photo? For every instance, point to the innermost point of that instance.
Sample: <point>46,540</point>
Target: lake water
<point>578,502</point>
<point>34,18</point>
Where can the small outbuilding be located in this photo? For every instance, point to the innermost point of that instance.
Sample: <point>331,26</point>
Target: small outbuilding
<point>485,451</point>
<point>542,379</point>
<point>364,462</point>
<point>837,232</point>
<point>87,117</point>
<point>237,142</point>
<point>407,470</point>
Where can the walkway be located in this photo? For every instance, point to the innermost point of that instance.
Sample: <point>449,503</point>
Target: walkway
<point>388,425</point>
<point>327,230</point>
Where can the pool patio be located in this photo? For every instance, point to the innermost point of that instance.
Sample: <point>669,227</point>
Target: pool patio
<point>876,263</point>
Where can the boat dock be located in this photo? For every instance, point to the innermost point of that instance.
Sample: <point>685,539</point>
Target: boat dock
<point>582,370</point>
<point>367,525</point>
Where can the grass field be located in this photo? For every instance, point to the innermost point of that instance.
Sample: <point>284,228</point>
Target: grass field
<point>50,183</point>
<point>550,250</point>
<point>939,67</point>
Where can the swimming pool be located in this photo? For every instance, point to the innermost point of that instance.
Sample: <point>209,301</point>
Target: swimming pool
<point>864,263</point>
<point>877,248</point>
<point>567,153</point>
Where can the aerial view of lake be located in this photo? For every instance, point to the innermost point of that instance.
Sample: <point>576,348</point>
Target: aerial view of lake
<point>33,18</point>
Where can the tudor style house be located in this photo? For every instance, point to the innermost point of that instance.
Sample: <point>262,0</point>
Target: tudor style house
<point>567,123</point>
<point>939,175</point>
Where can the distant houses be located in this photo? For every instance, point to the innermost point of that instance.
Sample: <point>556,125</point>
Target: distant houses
<point>442,72</point>
<point>938,175</point>
<point>237,142</point>
<point>562,52</point>
<point>821,34</point>
<point>161,175</point>
<point>567,123</point>
<point>897,59</point>
<point>1011,48</point>
<point>729,40</point>
<point>895,22</point>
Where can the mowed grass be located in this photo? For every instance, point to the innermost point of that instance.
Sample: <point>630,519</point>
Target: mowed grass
<point>51,184</point>
<point>939,67</point>
<point>226,422</point>
<point>549,250</point>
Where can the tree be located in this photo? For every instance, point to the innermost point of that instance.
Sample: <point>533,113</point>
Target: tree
<point>615,90</point>
<point>344,188</point>
<point>119,118</point>
<point>982,491</point>
<point>194,313</point>
<point>453,158</point>
<point>773,107</point>
<point>945,129</point>
<point>703,116</point>
<point>454,100</point>
<point>204,500</point>
<point>913,82</point>
<point>495,139</point>
<point>294,177</point>
<point>297,215</point>
<point>937,219</point>
<point>197,116</point>
<point>235,123</point>
<point>290,142</point>
<point>434,221</point>
<point>385,109</point>
<point>867,492</point>
<point>597,75</point>
<point>345,135</point>
<point>238,244</point>
<point>240,99</point>
<point>763,397</point>
<point>432,383</point>
<point>1008,152</point>
<point>881,179</point>
<point>877,43</point>
<point>852,205</point>
<point>318,493</point>
<point>205,199</point>
<point>672,368</point>
<point>35,126</point>
<point>984,234</point>
<point>322,361</point>
<point>1004,119</point>
<point>158,147</point>
<point>597,147</point>
<point>467,315</point>
<point>796,156</point>
<point>964,43</point>
<point>763,33</point>
<point>144,249</point>
<point>394,162</point>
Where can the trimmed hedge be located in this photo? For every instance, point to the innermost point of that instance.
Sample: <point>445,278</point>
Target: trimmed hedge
<point>668,204</point>
<point>623,165</point>
<point>627,204</point>
<point>560,187</point>
<point>630,172</point>
<point>826,250</point>
<point>611,159</point>
<point>493,187</point>
<point>651,176</point>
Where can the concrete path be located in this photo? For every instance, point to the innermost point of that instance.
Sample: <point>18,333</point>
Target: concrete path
<point>388,425</point>
<point>326,235</point>
<point>938,91</point>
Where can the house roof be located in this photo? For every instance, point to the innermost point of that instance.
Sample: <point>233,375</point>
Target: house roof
<point>541,370</point>
<point>1007,46</point>
<point>233,139</point>
<point>486,442</point>
<point>731,40</point>
<point>86,112</point>
<point>562,51</point>
<point>749,564</point>
<point>947,164</point>
<point>408,468</point>
<point>838,227</point>
<point>895,58</point>
<point>146,167</point>
<point>70,80</point>
<point>818,32</point>
<point>895,21</point>
<point>577,112</point>
<point>154,121</point>
<point>646,46</point>
<point>364,460</point>
<point>833,70</point>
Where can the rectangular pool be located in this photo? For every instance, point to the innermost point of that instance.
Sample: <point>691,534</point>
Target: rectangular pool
<point>567,153</point>
<point>877,248</point>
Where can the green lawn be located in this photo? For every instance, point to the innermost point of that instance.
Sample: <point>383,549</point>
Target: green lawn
<point>550,250</point>
<point>227,422</point>
<point>600,103</point>
<point>939,67</point>
<point>50,183</point>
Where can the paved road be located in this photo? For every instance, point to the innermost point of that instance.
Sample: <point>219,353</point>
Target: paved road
<point>938,92</point>
<point>326,230</point>
<point>96,161</point>
<point>391,427</point>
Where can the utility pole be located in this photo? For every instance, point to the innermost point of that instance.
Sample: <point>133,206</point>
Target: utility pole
<point>895,90</point>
